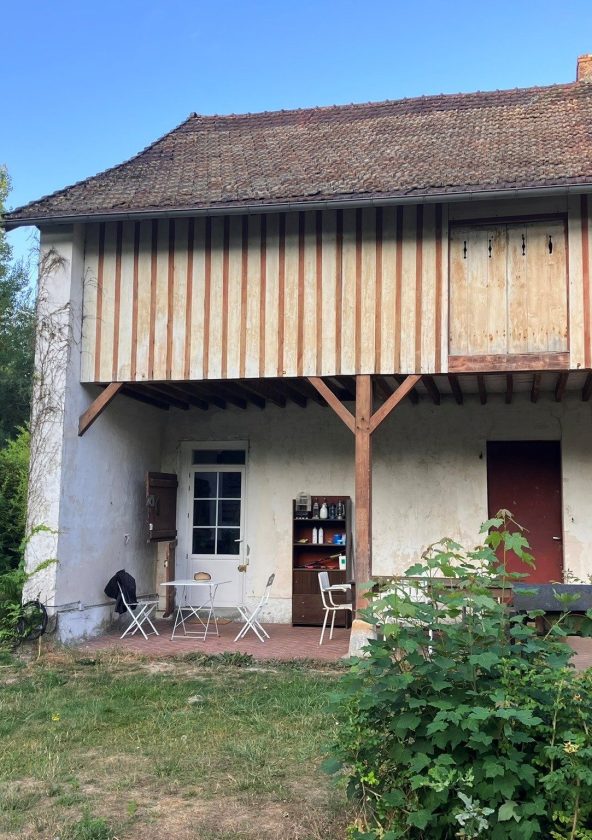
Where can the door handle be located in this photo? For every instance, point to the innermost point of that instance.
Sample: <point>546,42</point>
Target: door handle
<point>558,539</point>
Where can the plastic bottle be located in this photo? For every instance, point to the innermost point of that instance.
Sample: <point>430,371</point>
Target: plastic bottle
<point>324,512</point>
<point>315,536</point>
<point>321,536</point>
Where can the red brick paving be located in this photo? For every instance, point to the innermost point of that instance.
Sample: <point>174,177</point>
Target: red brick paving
<point>285,642</point>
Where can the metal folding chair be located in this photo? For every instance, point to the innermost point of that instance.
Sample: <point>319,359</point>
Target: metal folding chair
<point>140,615</point>
<point>251,618</point>
<point>329,604</point>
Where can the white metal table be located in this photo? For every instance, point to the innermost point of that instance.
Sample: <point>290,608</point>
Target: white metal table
<point>206,607</point>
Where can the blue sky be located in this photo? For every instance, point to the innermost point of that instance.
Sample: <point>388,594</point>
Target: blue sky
<point>87,84</point>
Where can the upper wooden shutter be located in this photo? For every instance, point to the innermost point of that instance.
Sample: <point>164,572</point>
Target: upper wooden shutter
<point>161,506</point>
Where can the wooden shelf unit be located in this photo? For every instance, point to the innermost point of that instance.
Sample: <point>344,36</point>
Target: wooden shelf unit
<point>308,559</point>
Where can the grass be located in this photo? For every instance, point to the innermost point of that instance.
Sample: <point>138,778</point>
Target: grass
<point>199,747</point>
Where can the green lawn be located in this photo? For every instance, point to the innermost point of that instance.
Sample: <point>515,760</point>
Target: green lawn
<point>118,746</point>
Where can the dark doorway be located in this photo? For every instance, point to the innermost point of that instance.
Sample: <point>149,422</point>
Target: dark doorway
<point>525,478</point>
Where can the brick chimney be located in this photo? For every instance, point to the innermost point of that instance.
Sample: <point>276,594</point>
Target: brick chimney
<point>584,72</point>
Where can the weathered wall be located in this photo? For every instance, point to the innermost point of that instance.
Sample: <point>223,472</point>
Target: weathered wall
<point>429,475</point>
<point>316,293</point>
<point>87,491</point>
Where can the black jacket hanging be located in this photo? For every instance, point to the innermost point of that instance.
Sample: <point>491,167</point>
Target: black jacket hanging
<point>128,587</point>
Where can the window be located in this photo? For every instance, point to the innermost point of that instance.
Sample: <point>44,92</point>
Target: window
<point>217,508</point>
<point>218,456</point>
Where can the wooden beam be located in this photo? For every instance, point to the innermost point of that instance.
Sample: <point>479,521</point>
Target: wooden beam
<point>161,393</point>
<point>363,487</point>
<point>334,402</point>
<point>228,395</point>
<point>482,389</point>
<point>456,389</point>
<point>183,394</point>
<point>381,387</point>
<point>243,390</point>
<point>431,388</point>
<point>348,383</point>
<point>301,386</point>
<point>501,363</point>
<point>266,391</point>
<point>561,385</point>
<point>395,398</point>
<point>202,391</point>
<point>413,395</point>
<point>143,398</point>
<point>536,386</point>
<point>509,388</point>
<point>296,396</point>
<point>587,389</point>
<point>98,406</point>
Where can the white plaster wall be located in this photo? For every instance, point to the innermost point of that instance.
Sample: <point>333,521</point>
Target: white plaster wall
<point>430,475</point>
<point>89,491</point>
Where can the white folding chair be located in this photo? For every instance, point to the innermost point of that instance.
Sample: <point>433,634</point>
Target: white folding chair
<point>140,614</point>
<point>251,618</point>
<point>329,604</point>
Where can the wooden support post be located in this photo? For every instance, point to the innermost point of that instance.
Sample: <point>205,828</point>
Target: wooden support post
<point>363,490</point>
<point>98,406</point>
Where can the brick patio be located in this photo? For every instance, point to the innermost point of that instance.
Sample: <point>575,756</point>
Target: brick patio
<point>286,643</point>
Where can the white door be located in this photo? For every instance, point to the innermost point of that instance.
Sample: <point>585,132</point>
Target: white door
<point>216,527</point>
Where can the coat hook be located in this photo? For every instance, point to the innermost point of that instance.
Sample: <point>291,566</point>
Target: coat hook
<point>523,245</point>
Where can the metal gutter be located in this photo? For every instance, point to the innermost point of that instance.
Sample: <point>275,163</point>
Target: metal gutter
<point>283,207</point>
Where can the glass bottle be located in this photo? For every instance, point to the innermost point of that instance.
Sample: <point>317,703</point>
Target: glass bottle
<point>315,509</point>
<point>324,512</point>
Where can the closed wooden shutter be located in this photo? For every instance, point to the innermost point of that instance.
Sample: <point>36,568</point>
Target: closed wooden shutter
<point>161,506</point>
<point>508,289</point>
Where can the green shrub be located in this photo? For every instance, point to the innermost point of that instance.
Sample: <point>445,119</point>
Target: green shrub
<point>461,721</point>
<point>14,468</point>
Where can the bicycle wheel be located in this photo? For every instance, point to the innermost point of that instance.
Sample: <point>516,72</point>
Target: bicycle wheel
<point>33,621</point>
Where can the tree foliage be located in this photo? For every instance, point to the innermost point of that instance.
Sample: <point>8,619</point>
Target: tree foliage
<point>461,722</point>
<point>17,332</point>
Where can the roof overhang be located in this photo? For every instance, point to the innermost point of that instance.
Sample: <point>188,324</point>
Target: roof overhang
<point>287,206</point>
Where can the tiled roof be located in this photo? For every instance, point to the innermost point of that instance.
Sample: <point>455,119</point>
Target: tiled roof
<point>522,138</point>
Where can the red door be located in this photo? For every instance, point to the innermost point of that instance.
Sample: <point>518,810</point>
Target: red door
<point>524,477</point>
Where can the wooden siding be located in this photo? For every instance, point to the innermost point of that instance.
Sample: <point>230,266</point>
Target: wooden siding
<point>296,294</point>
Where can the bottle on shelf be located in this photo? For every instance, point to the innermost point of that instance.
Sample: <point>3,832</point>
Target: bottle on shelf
<point>324,511</point>
<point>315,536</point>
<point>332,511</point>
<point>340,510</point>
<point>315,509</point>
<point>321,536</point>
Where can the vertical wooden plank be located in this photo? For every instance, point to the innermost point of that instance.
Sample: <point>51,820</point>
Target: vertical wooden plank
<point>308,302</point>
<point>459,272</point>
<point>477,288</point>
<point>319,291</point>
<point>338,289</point>
<point>199,300</point>
<point>291,294</point>
<point>300,296</point>
<point>388,288</point>
<point>554,281</point>
<point>207,296</point>
<point>272,294</point>
<point>253,302</point>
<point>189,298</point>
<point>348,293</point>
<point>575,283</point>
<point>162,301</point>
<point>585,234</point>
<point>418,284</point>
<point>99,307</point>
<point>262,290</point>
<point>237,293</point>
<point>445,293</point>
<point>170,319</point>
<point>145,334</point>
<point>329,314</point>
<point>497,292</point>
<point>116,299</point>
<point>281,292</point>
<point>108,302</point>
<point>367,316</point>
<point>135,294</point>
<point>517,289</point>
<point>179,304</point>
<point>358,300</point>
<point>398,288</point>
<point>438,268</point>
<point>428,302</point>
<point>408,290</point>
<point>127,303</point>
<point>153,290</point>
<point>223,303</point>
<point>89,305</point>
<point>378,294</point>
<point>216,294</point>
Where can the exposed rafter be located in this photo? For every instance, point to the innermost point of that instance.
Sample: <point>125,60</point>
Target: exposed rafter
<point>509,388</point>
<point>561,385</point>
<point>587,389</point>
<point>98,406</point>
<point>431,388</point>
<point>482,389</point>
<point>456,389</point>
<point>536,386</point>
<point>413,395</point>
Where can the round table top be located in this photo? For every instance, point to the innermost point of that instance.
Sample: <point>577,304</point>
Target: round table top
<point>192,582</point>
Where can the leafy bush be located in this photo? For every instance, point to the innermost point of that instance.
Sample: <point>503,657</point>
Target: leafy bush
<point>14,469</point>
<point>461,721</point>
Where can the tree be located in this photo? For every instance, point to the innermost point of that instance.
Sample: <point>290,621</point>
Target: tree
<point>17,334</point>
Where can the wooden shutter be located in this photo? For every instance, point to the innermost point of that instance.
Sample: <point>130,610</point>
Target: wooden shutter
<point>161,506</point>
